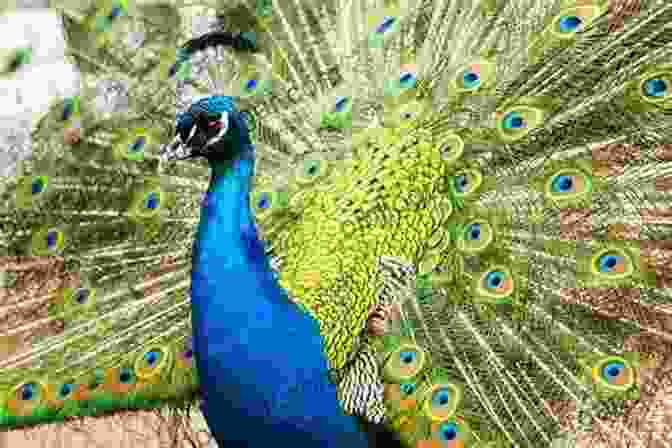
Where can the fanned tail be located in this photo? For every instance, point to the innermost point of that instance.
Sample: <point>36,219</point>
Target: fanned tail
<point>464,194</point>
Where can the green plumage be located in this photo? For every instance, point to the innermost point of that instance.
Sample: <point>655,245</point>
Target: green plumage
<point>429,166</point>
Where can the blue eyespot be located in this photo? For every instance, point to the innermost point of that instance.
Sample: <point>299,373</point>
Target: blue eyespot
<point>462,183</point>
<point>28,392</point>
<point>65,391</point>
<point>611,263</point>
<point>441,397</point>
<point>82,296</point>
<point>125,376</point>
<point>471,79</point>
<point>513,120</point>
<point>138,144</point>
<point>448,431</point>
<point>264,201</point>
<point>494,279</point>
<point>37,186</point>
<point>570,24</point>
<point>386,25</point>
<point>407,80</point>
<point>474,232</point>
<point>152,201</point>
<point>407,356</point>
<point>68,109</point>
<point>408,388</point>
<point>613,369</point>
<point>251,85</point>
<point>52,239</point>
<point>656,87</point>
<point>117,10</point>
<point>341,104</point>
<point>563,184</point>
<point>152,357</point>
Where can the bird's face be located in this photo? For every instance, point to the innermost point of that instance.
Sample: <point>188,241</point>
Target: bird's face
<point>211,128</point>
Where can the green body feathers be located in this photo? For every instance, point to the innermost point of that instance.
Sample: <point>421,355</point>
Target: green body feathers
<point>425,158</point>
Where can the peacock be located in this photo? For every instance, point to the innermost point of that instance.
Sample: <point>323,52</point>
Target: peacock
<point>319,219</point>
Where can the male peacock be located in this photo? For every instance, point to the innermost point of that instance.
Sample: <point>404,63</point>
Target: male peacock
<point>438,198</point>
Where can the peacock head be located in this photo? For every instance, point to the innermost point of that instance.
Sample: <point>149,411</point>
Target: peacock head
<point>213,128</point>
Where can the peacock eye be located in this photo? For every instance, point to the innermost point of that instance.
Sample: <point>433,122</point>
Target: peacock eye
<point>12,60</point>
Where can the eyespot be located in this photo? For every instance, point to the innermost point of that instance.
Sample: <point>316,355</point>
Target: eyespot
<point>81,296</point>
<point>342,104</point>
<point>410,111</point>
<point>612,263</point>
<point>384,26</point>
<point>476,237</point>
<point>311,170</point>
<point>11,61</point>
<point>516,122</point>
<point>268,202</point>
<point>404,363</point>
<point>407,389</point>
<point>451,148</point>
<point>29,392</point>
<point>26,397</point>
<point>496,284</point>
<point>126,376</point>
<point>451,433</point>
<point>147,202</point>
<point>442,401</point>
<point>656,88</point>
<point>569,23</point>
<point>407,79</point>
<point>152,362</point>
<point>109,13</point>
<point>65,390</point>
<point>138,144</point>
<point>402,396</point>
<point>614,373</point>
<point>567,185</point>
<point>31,190</point>
<point>133,144</point>
<point>573,20</point>
<point>70,109</point>
<point>253,82</point>
<point>466,182</point>
<point>79,299</point>
<point>404,114</point>
<point>475,76</point>
<point>152,200</point>
<point>49,241</point>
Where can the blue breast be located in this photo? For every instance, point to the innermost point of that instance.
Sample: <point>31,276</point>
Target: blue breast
<point>263,373</point>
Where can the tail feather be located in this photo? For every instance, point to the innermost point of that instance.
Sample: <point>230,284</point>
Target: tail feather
<point>487,180</point>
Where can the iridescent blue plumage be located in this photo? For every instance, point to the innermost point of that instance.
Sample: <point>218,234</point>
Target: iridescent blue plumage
<point>258,389</point>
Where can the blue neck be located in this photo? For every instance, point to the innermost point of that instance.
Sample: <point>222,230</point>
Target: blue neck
<point>264,376</point>
<point>227,233</point>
